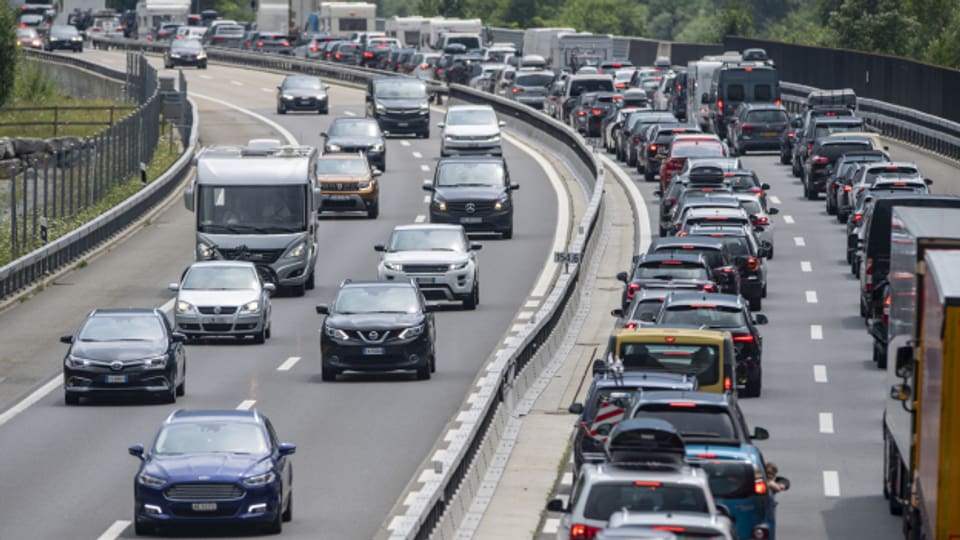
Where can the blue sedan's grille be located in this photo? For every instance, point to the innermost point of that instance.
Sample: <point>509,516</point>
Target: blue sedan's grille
<point>204,492</point>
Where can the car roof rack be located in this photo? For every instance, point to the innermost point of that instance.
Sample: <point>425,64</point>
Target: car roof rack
<point>645,443</point>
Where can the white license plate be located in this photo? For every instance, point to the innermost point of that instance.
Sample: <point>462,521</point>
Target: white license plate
<point>471,220</point>
<point>769,134</point>
<point>373,351</point>
<point>214,320</point>
<point>116,379</point>
<point>403,124</point>
<point>430,280</point>
<point>204,507</point>
<point>339,197</point>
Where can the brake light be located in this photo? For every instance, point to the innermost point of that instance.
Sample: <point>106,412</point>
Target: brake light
<point>517,90</point>
<point>439,70</point>
<point>886,310</point>
<point>669,528</point>
<point>899,184</point>
<point>636,140</point>
<point>632,290</point>
<point>891,168</point>
<point>338,56</point>
<point>831,113</point>
<point>857,218</point>
<point>653,148</point>
<point>247,43</point>
<point>259,44</point>
<point>631,325</point>
<point>848,189</point>
<point>669,339</point>
<point>789,134</point>
<point>596,112</point>
<point>24,25</point>
<point>760,487</point>
<point>581,113</point>
<point>720,106</point>
<point>314,48</point>
<point>868,275</point>
<point>684,404</point>
<point>743,338</point>
<point>709,288</point>
<point>672,262</point>
<point>748,128</point>
<point>761,222</point>
<point>424,66</point>
<point>778,102</point>
<point>753,264</point>
<point>579,531</point>
<point>820,160</point>
<point>707,456</point>
<point>218,39</point>
<point>368,55</point>
<point>756,190</point>
<point>647,483</point>
<point>727,384</point>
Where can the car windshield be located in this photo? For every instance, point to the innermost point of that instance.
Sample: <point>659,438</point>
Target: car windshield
<point>426,240</point>
<point>471,117</point>
<point>220,278</point>
<point>702,361</point>
<point>186,45</point>
<point>670,270</point>
<point>534,79</point>
<point>693,421</point>
<point>704,314</point>
<point>27,33</point>
<point>211,437</point>
<point>229,30</point>
<point>609,497</point>
<point>822,130</point>
<point>252,209</point>
<point>730,479</point>
<point>63,31</point>
<point>767,117</point>
<point>377,299</point>
<point>466,174</point>
<point>697,149</point>
<point>122,327</point>
<point>341,166</point>
<point>308,83</point>
<point>646,309</point>
<point>401,89</point>
<point>354,128</point>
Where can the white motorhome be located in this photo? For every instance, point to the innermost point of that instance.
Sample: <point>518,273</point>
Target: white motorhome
<point>432,31</point>
<point>536,41</point>
<point>406,29</point>
<point>699,76</point>
<point>572,51</point>
<point>152,13</point>
<point>273,16</point>
<point>345,18</point>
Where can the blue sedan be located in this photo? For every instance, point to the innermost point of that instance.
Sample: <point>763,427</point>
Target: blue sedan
<point>213,467</point>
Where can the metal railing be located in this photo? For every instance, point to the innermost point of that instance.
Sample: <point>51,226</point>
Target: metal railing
<point>50,190</point>
<point>63,117</point>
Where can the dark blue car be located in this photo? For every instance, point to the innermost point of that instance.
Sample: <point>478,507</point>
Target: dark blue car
<point>213,467</point>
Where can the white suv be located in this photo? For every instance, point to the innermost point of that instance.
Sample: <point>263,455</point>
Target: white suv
<point>439,258</point>
<point>470,129</point>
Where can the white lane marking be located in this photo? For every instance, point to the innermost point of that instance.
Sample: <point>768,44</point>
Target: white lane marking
<point>811,297</point>
<point>418,155</point>
<point>426,199</point>
<point>404,143</point>
<point>774,199</point>
<point>563,216</point>
<point>634,192</point>
<point>267,90</point>
<point>34,397</point>
<point>114,530</point>
<point>788,219</point>
<point>425,168</point>
<point>826,422</point>
<point>349,113</point>
<point>207,77</point>
<point>236,83</point>
<point>799,241</point>
<point>246,404</point>
<point>806,266</point>
<point>816,332</point>
<point>831,484</point>
<point>532,304</point>
<point>420,219</point>
<point>288,364</point>
<point>551,526</point>
<point>411,498</point>
<point>517,328</point>
<point>275,126</point>
<point>566,479</point>
<point>167,306</point>
<point>524,315</point>
<point>820,373</point>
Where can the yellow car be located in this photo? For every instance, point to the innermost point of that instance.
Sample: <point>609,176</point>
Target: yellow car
<point>707,355</point>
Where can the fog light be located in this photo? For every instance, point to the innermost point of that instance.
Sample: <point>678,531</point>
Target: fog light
<point>414,359</point>
<point>257,508</point>
<point>152,509</point>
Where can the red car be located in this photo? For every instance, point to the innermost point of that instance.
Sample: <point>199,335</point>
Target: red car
<point>689,146</point>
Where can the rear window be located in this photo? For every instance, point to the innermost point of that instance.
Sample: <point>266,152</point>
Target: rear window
<point>704,314</point>
<point>648,307</point>
<point>227,30</point>
<point>539,79</point>
<point>730,479</point>
<point>833,151</point>
<point>822,130</point>
<point>742,181</point>
<point>737,245</point>
<point>607,498</point>
<point>762,92</point>
<point>697,149</point>
<point>664,270</point>
<point>696,422</point>
<point>701,361</point>
<point>735,92</point>
<point>590,85</point>
<point>767,117</point>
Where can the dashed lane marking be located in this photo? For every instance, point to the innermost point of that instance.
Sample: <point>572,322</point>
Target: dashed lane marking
<point>788,219</point>
<point>418,155</point>
<point>816,332</point>
<point>806,266</point>
<point>799,241</point>
<point>425,168</point>
<point>246,404</point>
<point>236,83</point>
<point>426,199</point>
<point>404,143</point>
<point>831,484</point>
<point>774,199</point>
<point>820,373</point>
<point>288,364</point>
<point>349,113</point>
<point>207,77</point>
<point>267,90</point>
<point>551,525</point>
<point>114,530</point>
<point>826,422</point>
<point>811,297</point>
<point>420,219</point>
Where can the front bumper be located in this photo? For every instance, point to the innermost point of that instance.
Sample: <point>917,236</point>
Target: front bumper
<point>460,147</point>
<point>451,286</point>
<point>236,324</point>
<point>346,202</point>
<point>497,221</point>
<point>65,44</point>
<point>403,123</point>
<point>260,504</point>
<point>305,104</point>
<point>357,355</point>
<point>94,380</point>
<point>188,61</point>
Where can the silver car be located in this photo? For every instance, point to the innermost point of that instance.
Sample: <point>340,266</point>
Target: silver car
<point>760,214</point>
<point>439,258</point>
<point>223,298</point>
<point>471,129</point>
<point>653,525</point>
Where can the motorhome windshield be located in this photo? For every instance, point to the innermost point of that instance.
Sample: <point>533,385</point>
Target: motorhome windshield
<point>266,209</point>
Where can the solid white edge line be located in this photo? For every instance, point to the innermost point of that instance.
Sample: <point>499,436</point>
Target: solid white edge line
<point>35,396</point>
<point>811,297</point>
<point>425,168</point>
<point>236,83</point>
<point>288,364</point>
<point>564,216</point>
<point>820,373</point>
<point>114,530</point>
<point>805,266</point>
<point>638,202</point>
<point>826,422</point>
<point>551,526</point>
<point>246,404</point>
<point>816,332</point>
<point>275,126</point>
<point>831,484</point>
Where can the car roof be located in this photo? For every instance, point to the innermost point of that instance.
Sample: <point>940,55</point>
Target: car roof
<point>123,311</point>
<point>838,119</point>
<point>223,264</point>
<point>625,519</point>
<point>471,159</point>
<point>672,242</point>
<point>340,155</point>
<point>609,472</point>
<point>692,396</point>
<point>428,227</point>
<point>690,297</point>
<point>659,256</point>
<point>375,283</point>
<point>469,108</point>
<point>719,201</point>
<point>762,106</point>
<point>184,415</point>
<point>638,379</point>
<point>660,332</point>
<point>722,211</point>
<point>696,137</point>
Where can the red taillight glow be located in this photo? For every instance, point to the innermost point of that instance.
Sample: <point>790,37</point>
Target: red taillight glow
<point>778,102</point>
<point>745,338</point>
<point>632,290</point>
<point>338,56</point>
<point>761,222</point>
<point>709,288</point>
<point>857,218</point>
<point>636,140</point>
<point>653,148</point>
<point>789,134</point>
<point>720,106</point>
<point>747,127</point>
<point>620,86</point>
<point>809,148</point>
<point>517,90</point>
<point>760,487</point>
<point>820,160</point>
<point>727,384</point>
<point>579,531</point>
<point>647,483</point>
<point>753,264</point>
<point>596,112</point>
<point>685,404</point>
<point>424,66</point>
<point>669,528</point>
<point>314,48</point>
<point>368,55</point>
<point>706,456</point>
<point>631,325</point>
<point>259,44</point>
<point>848,189</point>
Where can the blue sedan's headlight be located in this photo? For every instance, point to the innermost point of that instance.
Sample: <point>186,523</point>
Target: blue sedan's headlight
<point>259,479</point>
<point>145,479</point>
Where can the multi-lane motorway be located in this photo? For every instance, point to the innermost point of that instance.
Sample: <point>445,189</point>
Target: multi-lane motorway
<point>66,472</point>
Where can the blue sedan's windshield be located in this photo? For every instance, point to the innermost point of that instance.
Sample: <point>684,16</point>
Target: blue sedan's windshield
<point>208,437</point>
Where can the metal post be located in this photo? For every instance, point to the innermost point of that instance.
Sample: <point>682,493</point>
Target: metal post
<point>56,120</point>
<point>26,201</point>
<point>63,173</point>
<point>85,161</point>
<point>13,212</point>
<point>74,159</point>
<point>36,175</point>
<point>46,181</point>
<point>170,136</point>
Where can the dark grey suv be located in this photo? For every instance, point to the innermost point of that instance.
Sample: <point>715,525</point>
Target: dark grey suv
<point>474,192</point>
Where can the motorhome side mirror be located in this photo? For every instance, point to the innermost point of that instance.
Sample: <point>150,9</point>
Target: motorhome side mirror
<point>188,200</point>
<point>322,309</point>
<point>575,408</point>
<point>773,211</point>
<point>66,339</point>
<point>324,134</point>
<point>556,505</point>
<point>270,288</point>
<point>376,172</point>
<point>764,186</point>
<point>900,392</point>
<point>622,276</point>
<point>475,246</point>
<point>904,364</point>
<point>427,186</point>
<point>173,287</point>
<point>705,98</point>
<point>722,509</point>
<point>928,181</point>
<point>379,247</point>
<point>760,434</point>
<point>760,318</point>
<point>618,313</point>
<point>136,451</point>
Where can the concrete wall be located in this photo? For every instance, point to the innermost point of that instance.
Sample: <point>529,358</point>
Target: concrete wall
<point>80,83</point>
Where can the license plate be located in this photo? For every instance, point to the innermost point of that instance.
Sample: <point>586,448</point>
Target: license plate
<point>373,351</point>
<point>204,507</point>
<point>403,124</point>
<point>116,379</point>
<point>214,320</point>
<point>471,220</point>
<point>339,197</point>
<point>769,133</point>
<point>430,280</point>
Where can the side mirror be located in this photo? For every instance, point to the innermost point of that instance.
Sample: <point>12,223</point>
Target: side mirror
<point>379,247</point>
<point>324,134</point>
<point>270,288</point>
<point>599,366</point>
<point>188,199</point>
<point>475,246</point>
<point>764,186</point>
<point>760,318</point>
<point>928,181</point>
<point>322,309</point>
<point>734,121</point>
<point>178,337</point>
<point>376,172</point>
<point>618,313</point>
<point>900,392</point>
<point>440,124</point>
<point>279,88</point>
<point>783,481</point>
<point>904,363</point>
<point>705,98</point>
<point>556,505</point>
<point>501,123</point>
<point>773,211</point>
<point>285,449</point>
<point>575,408</point>
<point>431,308</point>
<point>173,287</point>
<point>427,186</point>
<point>658,193</point>
<point>136,451</point>
<point>622,276</point>
<point>760,434</point>
<point>66,339</point>
<point>723,510</point>
<point>326,87</point>
<point>765,251</point>
<point>514,187</point>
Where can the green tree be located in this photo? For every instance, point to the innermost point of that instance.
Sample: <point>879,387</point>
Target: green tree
<point>8,52</point>
<point>619,17</point>
<point>704,27</point>
<point>875,25</point>
<point>736,19</point>
<point>944,49</point>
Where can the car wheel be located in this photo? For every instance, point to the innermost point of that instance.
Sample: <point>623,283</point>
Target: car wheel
<point>269,333</point>
<point>879,355</point>
<point>260,337</point>
<point>770,255</point>
<point>182,387</point>
<point>507,234</point>
<point>281,109</point>
<point>433,363</point>
<point>425,133</point>
<point>649,176</point>
<point>142,529</point>
<point>472,299</point>
<point>842,217</point>
<point>70,398</point>
<point>754,383</point>
<point>275,526</point>
<point>311,281</point>
<point>374,210</point>
<point>328,374</point>
<point>855,266</point>
<point>831,208</point>
<point>795,169</point>
<point>763,291</point>
<point>288,513</point>
<point>423,372</point>
<point>756,303</point>
<point>863,309</point>
<point>784,159</point>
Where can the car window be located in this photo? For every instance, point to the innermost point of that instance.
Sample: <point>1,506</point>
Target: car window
<point>534,79</point>
<point>697,149</point>
<point>648,307</point>
<point>705,422</point>
<point>735,92</point>
<point>121,327</point>
<point>471,117</point>
<point>590,85</point>
<point>354,128</point>
<point>396,89</point>
<point>220,278</point>
<point>310,83</point>
<point>377,299</point>
<point>703,314</point>
<point>211,437</point>
<point>470,174</point>
<point>606,498</point>
<point>767,117</point>
<point>701,361</point>
<point>730,479</point>
<point>762,92</point>
<point>341,166</point>
<point>426,240</point>
<point>671,270</point>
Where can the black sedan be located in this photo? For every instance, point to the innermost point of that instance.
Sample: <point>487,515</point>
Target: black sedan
<point>473,191</point>
<point>667,271</point>
<point>124,350</point>
<point>63,37</point>
<point>353,135</point>
<point>185,52</point>
<point>302,93</point>
<point>377,326</point>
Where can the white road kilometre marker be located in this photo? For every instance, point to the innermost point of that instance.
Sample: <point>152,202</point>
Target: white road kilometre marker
<point>820,373</point>
<point>246,404</point>
<point>826,422</point>
<point>816,332</point>
<point>420,219</point>
<point>811,297</point>
<point>115,530</point>
<point>805,266</point>
<point>288,364</point>
<point>418,155</point>
<point>799,241</point>
<point>831,484</point>
<point>788,219</point>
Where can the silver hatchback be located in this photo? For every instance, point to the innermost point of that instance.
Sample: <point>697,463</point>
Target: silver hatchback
<point>223,298</point>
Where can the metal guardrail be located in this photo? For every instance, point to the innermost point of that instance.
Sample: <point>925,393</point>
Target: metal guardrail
<point>134,140</point>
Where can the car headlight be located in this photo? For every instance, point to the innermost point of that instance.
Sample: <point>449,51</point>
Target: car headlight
<point>145,479</point>
<point>495,138</point>
<point>333,148</point>
<point>410,333</point>
<point>459,265</point>
<point>379,108</point>
<point>202,56</point>
<point>76,362</point>
<point>259,479</point>
<point>185,307</point>
<point>157,362</point>
<point>442,206</point>
<point>321,97</point>
<point>204,251</point>
<point>77,38</point>
<point>424,106</point>
<point>174,55</point>
<point>377,148</point>
<point>396,267</point>
<point>363,185</point>
<point>448,138</point>
<point>336,333</point>
<point>251,307</point>
<point>287,96</point>
<point>297,251</point>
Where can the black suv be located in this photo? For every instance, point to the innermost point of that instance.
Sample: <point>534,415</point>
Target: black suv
<point>377,326</point>
<point>473,191</point>
<point>820,123</point>
<point>671,270</point>
<point>302,93</point>
<point>749,255</point>
<point>399,105</point>
<point>353,135</point>
<point>722,262</point>
<point>824,154</point>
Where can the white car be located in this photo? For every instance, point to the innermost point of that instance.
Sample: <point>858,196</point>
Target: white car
<point>439,258</point>
<point>760,216</point>
<point>470,129</point>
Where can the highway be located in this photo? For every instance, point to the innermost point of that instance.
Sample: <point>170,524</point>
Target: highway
<point>66,470</point>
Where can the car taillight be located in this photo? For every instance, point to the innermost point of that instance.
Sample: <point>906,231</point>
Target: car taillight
<point>743,338</point>
<point>857,218</point>
<point>868,275</point>
<point>761,222</point>
<point>581,113</point>
<point>727,384</point>
<point>579,531</point>
<point>338,56</point>
<point>439,70</point>
<point>632,290</point>
<point>286,43</point>
<point>709,288</point>
<point>848,189</point>
<point>24,25</point>
<point>748,128</point>
<point>424,66</point>
<point>636,140</point>
<point>620,86</point>
<point>596,112</point>
<point>809,148</point>
<point>517,90</point>
<point>789,134</point>
<point>720,107</point>
<point>886,310</point>
<point>760,532</point>
<point>259,44</point>
<point>820,160</point>
<point>218,39</point>
<point>669,528</point>
<point>778,102</point>
<point>247,42</point>
<point>368,55</point>
<point>314,48</point>
<point>653,148</point>
<point>631,325</point>
<point>753,264</point>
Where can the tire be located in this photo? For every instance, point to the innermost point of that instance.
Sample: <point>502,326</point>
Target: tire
<point>842,217</point>
<point>182,387</point>
<point>260,337</point>
<point>879,356</point>
<point>425,133</point>
<point>275,526</point>
<point>323,111</point>
<point>756,303</point>
<point>288,512</point>
<point>863,310</point>
<point>794,168</point>
<point>299,290</point>
<point>142,529</point>
<point>631,160</point>
<point>423,372</point>
<point>71,398</point>
<point>471,300</point>
<point>831,208</point>
<point>374,210</point>
<point>784,159</point>
<point>281,109</point>
<point>269,333</point>
<point>770,255</point>
<point>311,282</point>
<point>754,384</point>
<point>433,363</point>
<point>649,176</point>
<point>763,292</point>
<point>328,374</point>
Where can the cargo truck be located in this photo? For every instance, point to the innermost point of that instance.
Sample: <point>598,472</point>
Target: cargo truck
<point>152,13</point>
<point>921,472</point>
<point>274,16</point>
